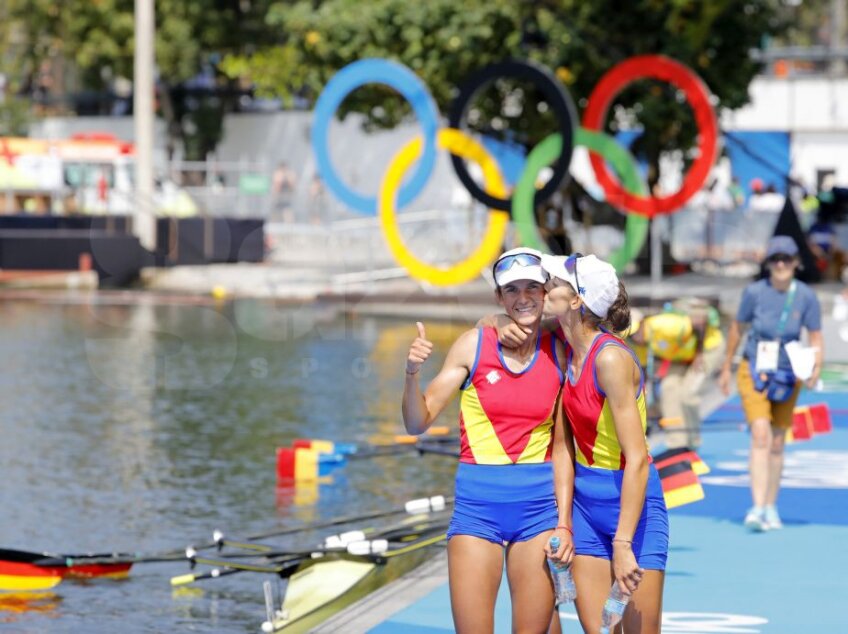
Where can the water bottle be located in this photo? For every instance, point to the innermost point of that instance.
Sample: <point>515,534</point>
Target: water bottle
<point>613,608</point>
<point>561,572</point>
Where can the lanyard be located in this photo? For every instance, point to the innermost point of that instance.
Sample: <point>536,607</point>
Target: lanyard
<point>787,308</point>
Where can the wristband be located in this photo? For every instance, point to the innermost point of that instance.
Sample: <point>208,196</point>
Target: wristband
<point>568,528</point>
<point>411,373</point>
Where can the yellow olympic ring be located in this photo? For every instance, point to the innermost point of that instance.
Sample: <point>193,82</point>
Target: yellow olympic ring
<point>487,251</point>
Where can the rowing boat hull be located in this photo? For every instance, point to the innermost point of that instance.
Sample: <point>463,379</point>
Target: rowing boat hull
<point>320,589</point>
<point>20,570</point>
<point>108,571</point>
<point>16,577</point>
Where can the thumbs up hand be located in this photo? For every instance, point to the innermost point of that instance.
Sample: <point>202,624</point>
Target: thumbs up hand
<point>419,351</point>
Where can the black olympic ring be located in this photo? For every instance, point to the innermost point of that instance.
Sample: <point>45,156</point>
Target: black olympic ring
<point>557,97</point>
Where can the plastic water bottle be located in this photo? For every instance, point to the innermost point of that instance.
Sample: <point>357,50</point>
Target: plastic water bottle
<point>561,572</point>
<point>613,608</point>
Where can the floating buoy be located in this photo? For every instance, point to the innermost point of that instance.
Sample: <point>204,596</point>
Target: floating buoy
<point>297,464</point>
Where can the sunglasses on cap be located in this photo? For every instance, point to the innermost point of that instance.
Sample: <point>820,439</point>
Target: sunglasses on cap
<point>780,258</point>
<point>571,267</point>
<point>521,259</point>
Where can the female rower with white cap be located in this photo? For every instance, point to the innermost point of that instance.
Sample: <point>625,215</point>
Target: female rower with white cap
<point>619,514</point>
<point>506,490</point>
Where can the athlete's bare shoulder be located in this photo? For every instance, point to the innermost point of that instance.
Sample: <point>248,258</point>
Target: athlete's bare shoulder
<point>464,349</point>
<point>615,363</point>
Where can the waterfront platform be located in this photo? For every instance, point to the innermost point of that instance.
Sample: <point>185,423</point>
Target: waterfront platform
<point>48,280</point>
<point>404,298</point>
<point>720,578</point>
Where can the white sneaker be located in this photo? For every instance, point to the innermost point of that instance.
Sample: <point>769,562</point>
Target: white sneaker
<point>755,521</point>
<point>771,518</point>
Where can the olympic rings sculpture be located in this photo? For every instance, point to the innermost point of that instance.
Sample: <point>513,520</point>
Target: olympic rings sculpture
<point>625,190</point>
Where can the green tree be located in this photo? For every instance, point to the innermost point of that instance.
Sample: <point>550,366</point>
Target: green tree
<point>93,40</point>
<point>443,41</point>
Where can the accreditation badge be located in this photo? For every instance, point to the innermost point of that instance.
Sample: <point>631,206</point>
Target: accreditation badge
<point>768,353</point>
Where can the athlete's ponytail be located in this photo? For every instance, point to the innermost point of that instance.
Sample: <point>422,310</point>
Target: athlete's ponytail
<point>618,315</point>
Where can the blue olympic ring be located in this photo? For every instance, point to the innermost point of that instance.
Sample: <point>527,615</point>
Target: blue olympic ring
<point>407,83</point>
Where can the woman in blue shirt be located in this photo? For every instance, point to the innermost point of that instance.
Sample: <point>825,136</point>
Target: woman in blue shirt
<point>776,308</point>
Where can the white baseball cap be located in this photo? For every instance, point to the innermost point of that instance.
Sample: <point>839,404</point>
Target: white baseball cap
<point>598,280</point>
<point>519,264</point>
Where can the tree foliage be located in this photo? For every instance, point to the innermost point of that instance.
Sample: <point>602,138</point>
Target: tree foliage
<point>93,41</point>
<point>443,41</point>
<point>290,48</point>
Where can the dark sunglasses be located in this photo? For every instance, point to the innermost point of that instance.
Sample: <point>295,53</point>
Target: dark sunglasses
<point>571,267</point>
<point>783,258</point>
<point>521,259</point>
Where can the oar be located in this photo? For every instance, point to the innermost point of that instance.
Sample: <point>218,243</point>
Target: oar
<point>48,560</point>
<point>293,560</point>
<point>283,571</point>
<point>374,548</point>
<point>408,444</point>
<point>215,573</point>
<point>399,441</point>
<point>221,541</point>
<point>392,450</point>
<point>352,542</point>
<point>442,451</point>
<point>418,505</point>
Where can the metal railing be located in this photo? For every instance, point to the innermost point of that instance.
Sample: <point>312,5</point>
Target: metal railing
<point>355,250</point>
<point>721,235</point>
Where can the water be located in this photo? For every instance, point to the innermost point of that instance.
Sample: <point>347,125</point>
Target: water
<point>614,608</point>
<point>564,589</point>
<point>132,425</point>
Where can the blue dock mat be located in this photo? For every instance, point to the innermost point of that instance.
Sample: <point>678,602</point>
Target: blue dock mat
<point>722,579</point>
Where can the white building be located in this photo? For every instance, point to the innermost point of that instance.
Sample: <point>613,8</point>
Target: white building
<point>813,110</point>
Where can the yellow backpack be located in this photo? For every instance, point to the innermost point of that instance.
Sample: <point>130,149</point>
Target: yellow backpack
<point>672,338</point>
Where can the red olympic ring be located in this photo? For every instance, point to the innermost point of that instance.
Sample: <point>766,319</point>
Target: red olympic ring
<point>698,96</point>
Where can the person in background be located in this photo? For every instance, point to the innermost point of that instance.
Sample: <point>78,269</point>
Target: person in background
<point>681,347</point>
<point>318,211</point>
<point>509,499</point>
<point>736,192</point>
<point>283,182</point>
<point>765,200</point>
<point>823,243</point>
<point>777,309</point>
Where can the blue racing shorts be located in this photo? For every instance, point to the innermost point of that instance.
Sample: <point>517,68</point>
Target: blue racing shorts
<point>504,503</point>
<point>597,502</point>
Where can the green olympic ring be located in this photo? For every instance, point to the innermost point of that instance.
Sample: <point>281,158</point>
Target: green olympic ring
<point>549,150</point>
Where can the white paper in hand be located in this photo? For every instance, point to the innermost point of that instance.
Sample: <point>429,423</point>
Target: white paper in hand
<point>840,308</point>
<point>802,358</point>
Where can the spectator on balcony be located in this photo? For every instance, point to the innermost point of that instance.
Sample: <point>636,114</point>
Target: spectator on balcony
<point>765,200</point>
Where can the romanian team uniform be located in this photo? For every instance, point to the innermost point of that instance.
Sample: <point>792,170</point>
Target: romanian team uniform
<point>505,480</point>
<point>598,471</point>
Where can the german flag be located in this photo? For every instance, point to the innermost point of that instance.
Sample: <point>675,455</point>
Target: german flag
<point>680,484</point>
<point>673,456</point>
<point>822,423</point>
<point>802,425</point>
